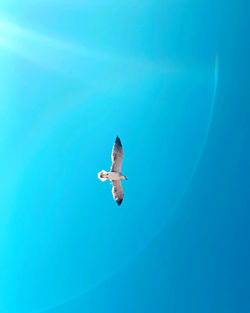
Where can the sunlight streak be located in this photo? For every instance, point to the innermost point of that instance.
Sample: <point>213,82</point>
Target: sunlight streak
<point>35,46</point>
<point>55,54</point>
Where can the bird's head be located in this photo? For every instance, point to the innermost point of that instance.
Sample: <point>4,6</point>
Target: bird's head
<point>102,175</point>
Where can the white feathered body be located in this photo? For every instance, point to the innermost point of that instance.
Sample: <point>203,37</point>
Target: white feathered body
<point>103,175</point>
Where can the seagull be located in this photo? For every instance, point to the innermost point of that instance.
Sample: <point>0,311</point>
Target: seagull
<point>115,175</point>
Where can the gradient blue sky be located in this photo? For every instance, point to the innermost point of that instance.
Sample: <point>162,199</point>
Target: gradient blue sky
<point>171,78</point>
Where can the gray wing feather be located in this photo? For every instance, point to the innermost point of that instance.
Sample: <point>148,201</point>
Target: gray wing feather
<point>117,156</point>
<point>117,191</point>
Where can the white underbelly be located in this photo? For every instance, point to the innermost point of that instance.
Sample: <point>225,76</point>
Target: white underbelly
<point>114,176</point>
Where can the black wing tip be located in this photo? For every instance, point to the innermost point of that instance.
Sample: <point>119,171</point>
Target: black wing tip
<point>118,141</point>
<point>119,201</point>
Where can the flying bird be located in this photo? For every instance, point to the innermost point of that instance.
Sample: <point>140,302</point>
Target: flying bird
<point>115,175</point>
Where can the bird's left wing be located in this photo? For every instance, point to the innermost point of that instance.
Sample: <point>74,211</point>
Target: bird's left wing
<point>117,191</point>
<point>116,156</point>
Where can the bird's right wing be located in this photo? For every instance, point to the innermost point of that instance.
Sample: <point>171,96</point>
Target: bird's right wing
<point>117,191</point>
<point>117,156</point>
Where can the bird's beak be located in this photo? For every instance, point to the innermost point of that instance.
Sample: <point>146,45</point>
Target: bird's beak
<point>126,178</point>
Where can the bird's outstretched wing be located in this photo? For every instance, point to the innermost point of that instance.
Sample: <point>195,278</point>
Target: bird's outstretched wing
<point>116,156</point>
<point>117,191</point>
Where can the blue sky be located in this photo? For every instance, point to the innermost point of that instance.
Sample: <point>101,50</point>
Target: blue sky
<point>171,79</point>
